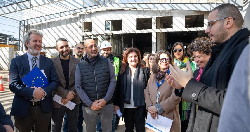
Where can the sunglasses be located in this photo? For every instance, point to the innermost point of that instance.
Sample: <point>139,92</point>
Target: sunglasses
<point>164,60</point>
<point>175,50</point>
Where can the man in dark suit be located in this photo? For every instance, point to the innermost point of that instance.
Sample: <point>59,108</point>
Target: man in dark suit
<point>32,105</point>
<point>65,68</point>
<point>225,30</point>
<point>6,124</point>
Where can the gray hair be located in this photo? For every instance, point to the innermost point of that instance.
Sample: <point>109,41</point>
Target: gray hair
<point>230,10</point>
<point>26,37</point>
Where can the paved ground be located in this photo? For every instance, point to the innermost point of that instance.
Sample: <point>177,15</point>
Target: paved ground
<point>6,98</point>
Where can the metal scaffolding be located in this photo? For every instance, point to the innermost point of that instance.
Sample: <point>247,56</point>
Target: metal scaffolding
<point>42,11</point>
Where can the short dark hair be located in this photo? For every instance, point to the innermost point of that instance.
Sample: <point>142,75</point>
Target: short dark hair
<point>145,54</point>
<point>61,39</point>
<point>181,44</point>
<point>230,10</point>
<point>201,44</point>
<point>82,43</point>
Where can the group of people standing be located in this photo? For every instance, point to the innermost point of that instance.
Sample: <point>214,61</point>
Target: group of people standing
<point>170,85</point>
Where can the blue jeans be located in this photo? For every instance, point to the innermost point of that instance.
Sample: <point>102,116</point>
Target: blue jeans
<point>79,122</point>
<point>98,125</point>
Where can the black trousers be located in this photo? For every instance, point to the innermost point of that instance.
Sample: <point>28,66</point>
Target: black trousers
<point>134,117</point>
<point>36,117</point>
<point>57,117</point>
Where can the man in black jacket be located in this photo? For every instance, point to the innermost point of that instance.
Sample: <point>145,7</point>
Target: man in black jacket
<point>95,84</point>
<point>224,29</point>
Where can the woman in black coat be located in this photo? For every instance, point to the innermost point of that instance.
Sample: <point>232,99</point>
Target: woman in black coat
<point>129,92</point>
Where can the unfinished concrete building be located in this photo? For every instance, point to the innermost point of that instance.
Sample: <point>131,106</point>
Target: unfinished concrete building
<point>149,26</point>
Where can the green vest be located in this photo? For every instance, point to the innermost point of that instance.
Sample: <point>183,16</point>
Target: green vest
<point>116,65</point>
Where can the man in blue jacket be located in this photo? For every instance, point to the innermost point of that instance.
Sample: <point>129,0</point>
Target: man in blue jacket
<point>6,124</point>
<point>32,105</point>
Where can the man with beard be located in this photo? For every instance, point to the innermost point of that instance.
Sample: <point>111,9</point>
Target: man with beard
<point>95,84</point>
<point>79,51</point>
<point>224,29</point>
<point>32,105</point>
<point>106,51</point>
<point>65,68</point>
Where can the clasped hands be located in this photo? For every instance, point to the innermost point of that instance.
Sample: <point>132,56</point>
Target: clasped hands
<point>98,104</point>
<point>179,78</point>
<point>39,93</point>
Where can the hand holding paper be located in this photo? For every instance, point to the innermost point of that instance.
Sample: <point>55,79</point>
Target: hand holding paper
<point>70,95</point>
<point>69,104</point>
<point>162,124</point>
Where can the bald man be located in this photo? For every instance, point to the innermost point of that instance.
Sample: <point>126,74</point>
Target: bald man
<point>95,84</point>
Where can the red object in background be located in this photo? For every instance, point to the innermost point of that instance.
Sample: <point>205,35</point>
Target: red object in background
<point>1,84</point>
<point>8,77</point>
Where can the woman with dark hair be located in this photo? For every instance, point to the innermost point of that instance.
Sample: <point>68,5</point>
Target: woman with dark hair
<point>200,49</point>
<point>161,98</point>
<point>179,58</point>
<point>129,92</point>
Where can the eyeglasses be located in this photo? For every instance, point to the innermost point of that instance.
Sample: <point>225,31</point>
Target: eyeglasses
<point>80,48</point>
<point>164,60</point>
<point>91,46</point>
<point>212,22</point>
<point>175,50</point>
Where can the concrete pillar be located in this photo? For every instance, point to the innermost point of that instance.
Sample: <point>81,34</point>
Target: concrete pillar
<point>160,41</point>
<point>154,35</point>
<point>7,54</point>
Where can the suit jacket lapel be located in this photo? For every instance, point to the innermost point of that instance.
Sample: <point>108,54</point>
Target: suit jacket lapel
<point>59,66</point>
<point>42,62</point>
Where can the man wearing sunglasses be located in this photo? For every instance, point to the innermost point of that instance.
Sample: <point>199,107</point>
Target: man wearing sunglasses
<point>225,30</point>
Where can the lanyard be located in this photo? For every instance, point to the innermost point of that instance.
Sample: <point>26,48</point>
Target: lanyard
<point>159,84</point>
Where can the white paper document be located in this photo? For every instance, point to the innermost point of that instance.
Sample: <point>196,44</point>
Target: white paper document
<point>162,124</point>
<point>69,105</point>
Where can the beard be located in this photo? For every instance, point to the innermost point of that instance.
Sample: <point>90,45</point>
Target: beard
<point>221,35</point>
<point>79,54</point>
<point>34,52</point>
<point>108,55</point>
<point>64,54</point>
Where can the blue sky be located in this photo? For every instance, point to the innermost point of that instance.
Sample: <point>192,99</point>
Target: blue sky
<point>9,26</point>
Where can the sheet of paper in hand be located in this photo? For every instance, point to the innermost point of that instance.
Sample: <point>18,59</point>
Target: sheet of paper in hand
<point>35,78</point>
<point>162,124</point>
<point>69,105</point>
